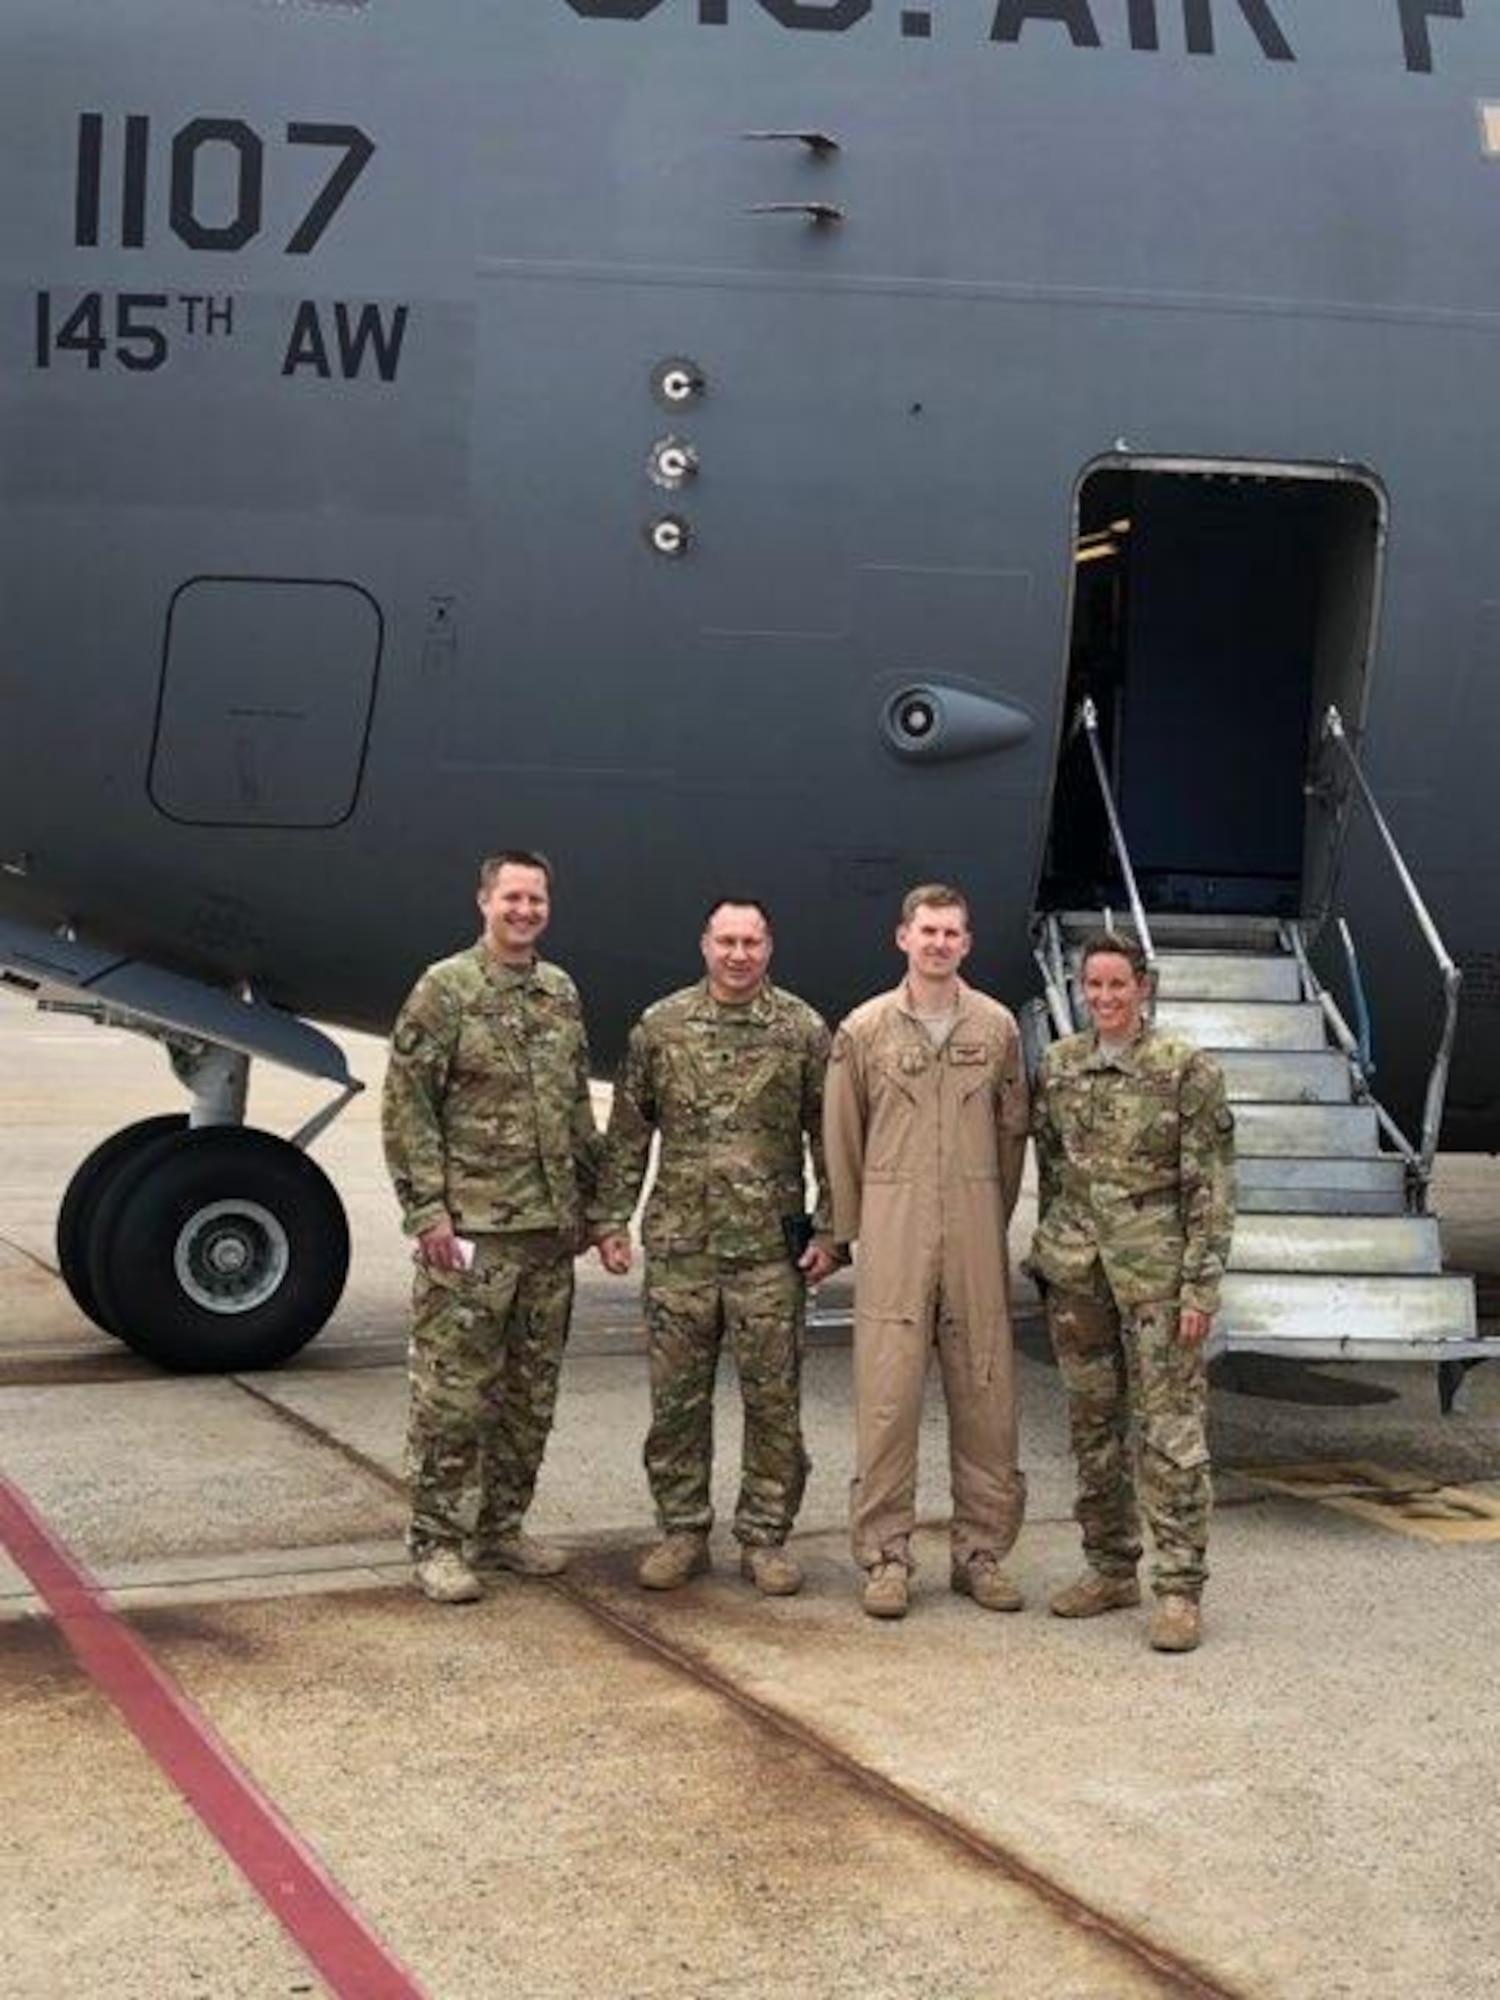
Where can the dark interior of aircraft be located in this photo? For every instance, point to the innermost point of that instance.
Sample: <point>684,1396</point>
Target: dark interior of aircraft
<point>1215,617</point>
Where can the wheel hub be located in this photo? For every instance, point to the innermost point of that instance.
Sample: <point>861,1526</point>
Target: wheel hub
<point>231,1256</point>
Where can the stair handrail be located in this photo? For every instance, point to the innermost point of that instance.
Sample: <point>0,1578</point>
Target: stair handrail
<point>1051,962</point>
<point>1087,719</point>
<point>1451,974</point>
<point>1294,936</point>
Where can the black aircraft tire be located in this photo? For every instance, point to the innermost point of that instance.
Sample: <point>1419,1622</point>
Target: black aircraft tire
<point>218,1250</point>
<point>75,1218</point>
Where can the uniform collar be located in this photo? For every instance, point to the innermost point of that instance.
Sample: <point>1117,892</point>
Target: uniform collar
<point>706,1008</point>
<point>1126,1059</point>
<point>504,976</point>
<point>903,1000</point>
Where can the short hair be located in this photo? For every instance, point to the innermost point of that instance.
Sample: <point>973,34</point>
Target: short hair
<point>737,903</point>
<point>513,857</point>
<point>1110,944</point>
<point>933,896</point>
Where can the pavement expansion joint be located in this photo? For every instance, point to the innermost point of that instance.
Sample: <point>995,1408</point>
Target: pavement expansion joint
<point>320,1434</point>
<point>48,1270</point>
<point>1178,1973</point>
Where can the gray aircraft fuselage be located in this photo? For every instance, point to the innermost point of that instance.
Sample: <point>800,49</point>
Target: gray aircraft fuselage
<point>350,355</point>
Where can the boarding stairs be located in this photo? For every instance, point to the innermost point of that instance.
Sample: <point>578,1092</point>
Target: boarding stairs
<point>1335,1255</point>
<point>1336,1252</point>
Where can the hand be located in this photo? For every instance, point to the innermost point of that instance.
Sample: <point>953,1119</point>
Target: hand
<point>438,1249</point>
<point>1193,1325</point>
<point>816,1263</point>
<point>614,1253</point>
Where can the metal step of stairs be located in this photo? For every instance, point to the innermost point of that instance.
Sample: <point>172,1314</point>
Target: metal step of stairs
<point>1297,1131</point>
<point>1344,1315</point>
<point>1326,1261</point>
<point>1377,1245</point>
<point>1245,1024</point>
<point>1221,975</point>
<point>1286,1076</point>
<point>1217,975</point>
<point>1170,929</point>
<point>1366,1184</point>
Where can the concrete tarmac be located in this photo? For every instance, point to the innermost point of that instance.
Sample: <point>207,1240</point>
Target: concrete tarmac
<point>577,1789</point>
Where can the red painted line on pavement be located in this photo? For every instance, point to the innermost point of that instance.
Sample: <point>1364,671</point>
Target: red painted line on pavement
<point>284,1872</point>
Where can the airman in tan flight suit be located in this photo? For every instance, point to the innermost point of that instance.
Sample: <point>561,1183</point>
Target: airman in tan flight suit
<point>925,1119</point>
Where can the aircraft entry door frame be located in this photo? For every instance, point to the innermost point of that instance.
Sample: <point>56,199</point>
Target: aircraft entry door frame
<point>1348,634</point>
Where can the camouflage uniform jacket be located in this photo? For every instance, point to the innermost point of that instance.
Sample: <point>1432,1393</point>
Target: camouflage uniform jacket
<point>734,1091</point>
<point>486,1117</point>
<point>1135,1158</point>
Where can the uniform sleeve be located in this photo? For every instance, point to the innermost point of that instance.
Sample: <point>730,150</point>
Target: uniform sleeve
<point>627,1143</point>
<point>1207,1182</point>
<point>845,1110</point>
<point>416,1084</point>
<point>814,1080</point>
<point>1044,1134</point>
<point>1013,1119</point>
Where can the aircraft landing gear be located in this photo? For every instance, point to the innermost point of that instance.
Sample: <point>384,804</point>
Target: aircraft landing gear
<point>213,1248</point>
<point>75,1219</point>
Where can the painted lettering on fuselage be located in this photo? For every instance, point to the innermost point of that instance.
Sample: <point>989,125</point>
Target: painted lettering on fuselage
<point>1204,25</point>
<point>136,186</point>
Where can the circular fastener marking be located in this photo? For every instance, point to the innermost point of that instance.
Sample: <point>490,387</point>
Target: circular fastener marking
<point>677,382</point>
<point>669,535</point>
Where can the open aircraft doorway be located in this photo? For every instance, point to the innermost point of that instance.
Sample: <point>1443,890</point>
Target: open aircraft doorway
<point>1218,610</point>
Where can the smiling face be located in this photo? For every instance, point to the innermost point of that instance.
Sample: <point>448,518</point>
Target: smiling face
<point>736,951</point>
<point>1115,995</point>
<point>515,907</point>
<point>935,939</point>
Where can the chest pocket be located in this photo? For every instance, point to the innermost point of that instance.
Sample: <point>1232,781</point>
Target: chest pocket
<point>1071,1103</point>
<point>491,1045</point>
<point>555,1039</point>
<point>1142,1118</point>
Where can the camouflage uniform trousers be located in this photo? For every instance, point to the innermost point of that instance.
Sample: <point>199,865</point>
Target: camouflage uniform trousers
<point>692,1305</point>
<point>1133,1368</point>
<point>486,1348</point>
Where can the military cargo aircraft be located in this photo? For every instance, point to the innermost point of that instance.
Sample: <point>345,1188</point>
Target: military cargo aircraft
<point>728,444</point>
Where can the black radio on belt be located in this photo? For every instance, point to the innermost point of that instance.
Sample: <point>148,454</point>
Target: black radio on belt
<point>797,1234</point>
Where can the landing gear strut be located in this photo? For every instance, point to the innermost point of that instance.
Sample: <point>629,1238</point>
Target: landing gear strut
<point>204,1244</point>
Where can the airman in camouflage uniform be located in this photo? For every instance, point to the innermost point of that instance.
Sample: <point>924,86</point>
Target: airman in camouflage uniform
<point>1135,1153</point>
<point>492,1147</point>
<point>730,1073</point>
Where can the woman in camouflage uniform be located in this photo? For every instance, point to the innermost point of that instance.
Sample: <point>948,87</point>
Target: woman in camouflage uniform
<point>1135,1154</point>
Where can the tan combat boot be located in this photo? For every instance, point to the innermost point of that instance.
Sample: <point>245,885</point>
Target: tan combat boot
<point>1176,1625</point>
<point>1094,1594</point>
<point>446,1578</point>
<point>887,1593</point>
<point>669,1565</point>
<point>982,1578</point>
<point>773,1572</point>
<point>523,1556</point>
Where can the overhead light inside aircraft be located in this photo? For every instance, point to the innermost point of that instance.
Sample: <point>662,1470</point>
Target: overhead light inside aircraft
<point>1095,552</point>
<point>1489,130</point>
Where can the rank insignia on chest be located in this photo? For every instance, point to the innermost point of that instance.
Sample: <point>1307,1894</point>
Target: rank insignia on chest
<point>913,1062</point>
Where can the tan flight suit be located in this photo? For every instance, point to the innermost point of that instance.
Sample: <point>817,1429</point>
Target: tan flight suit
<point>924,1152</point>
